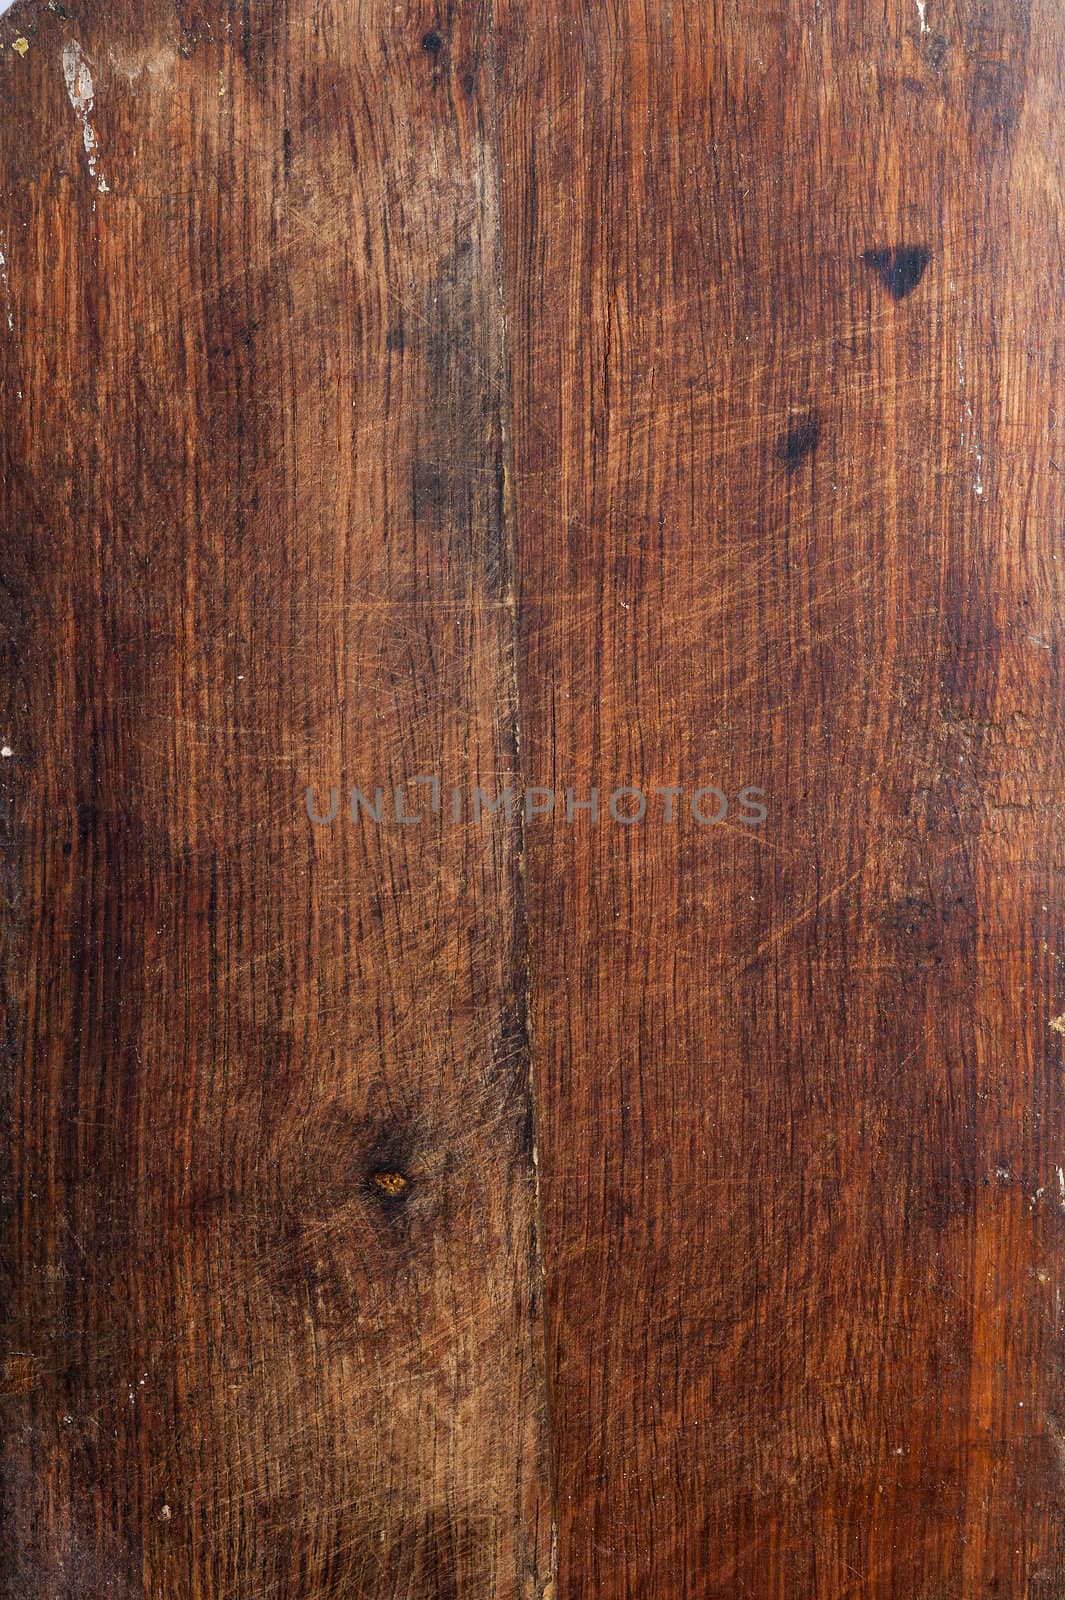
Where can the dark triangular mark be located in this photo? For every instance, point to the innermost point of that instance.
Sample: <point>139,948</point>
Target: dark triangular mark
<point>799,442</point>
<point>899,270</point>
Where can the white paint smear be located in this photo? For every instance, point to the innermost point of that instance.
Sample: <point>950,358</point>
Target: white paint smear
<point>80,93</point>
<point>5,289</point>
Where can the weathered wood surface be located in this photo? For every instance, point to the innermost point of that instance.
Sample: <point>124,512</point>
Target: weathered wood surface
<point>276,1324</point>
<point>789,517</point>
<point>642,393</point>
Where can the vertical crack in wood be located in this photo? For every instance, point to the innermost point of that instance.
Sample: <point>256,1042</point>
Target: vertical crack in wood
<point>509,536</point>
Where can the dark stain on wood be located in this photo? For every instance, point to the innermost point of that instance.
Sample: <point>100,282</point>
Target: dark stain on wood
<point>900,269</point>
<point>799,442</point>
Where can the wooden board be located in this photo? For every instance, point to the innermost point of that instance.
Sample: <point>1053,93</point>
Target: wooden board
<point>275,1328</point>
<point>788,517</point>
<point>648,394</point>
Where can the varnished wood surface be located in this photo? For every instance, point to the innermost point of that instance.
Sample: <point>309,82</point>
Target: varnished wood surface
<point>571,395</point>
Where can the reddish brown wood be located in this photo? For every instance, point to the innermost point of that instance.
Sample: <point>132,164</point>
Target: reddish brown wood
<point>643,393</point>
<point>792,515</point>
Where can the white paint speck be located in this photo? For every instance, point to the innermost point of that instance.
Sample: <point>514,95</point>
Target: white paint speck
<point>80,92</point>
<point>1057,1024</point>
<point>1061,1184</point>
<point>5,289</point>
<point>922,7</point>
<point>7,752</point>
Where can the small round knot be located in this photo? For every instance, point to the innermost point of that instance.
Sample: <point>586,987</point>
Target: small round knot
<point>392,1184</point>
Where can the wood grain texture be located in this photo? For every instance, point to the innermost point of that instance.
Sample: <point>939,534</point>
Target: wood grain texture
<point>649,393</point>
<point>790,513</point>
<point>275,1325</point>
